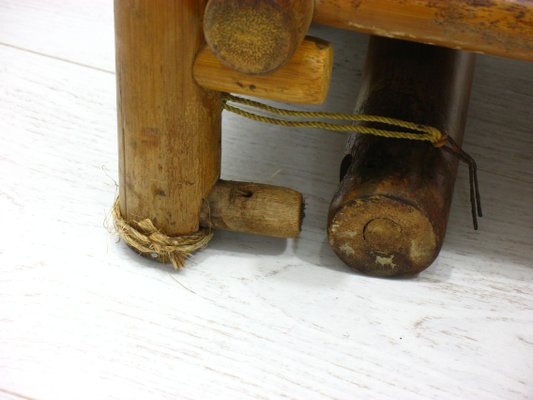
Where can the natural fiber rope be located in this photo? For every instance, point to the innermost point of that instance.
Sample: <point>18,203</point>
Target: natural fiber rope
<point>144,237</point>
<point>420,132</point>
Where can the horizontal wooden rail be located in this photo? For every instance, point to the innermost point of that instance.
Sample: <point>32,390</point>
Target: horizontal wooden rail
<point>304,79</point>
<point>390,212</point>
<point>499,27</point>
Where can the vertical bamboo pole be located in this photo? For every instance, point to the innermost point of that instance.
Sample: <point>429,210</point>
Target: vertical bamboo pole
<point>169,128</point>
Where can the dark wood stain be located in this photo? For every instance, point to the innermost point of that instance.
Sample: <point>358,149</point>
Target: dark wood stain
<point>419,83</point>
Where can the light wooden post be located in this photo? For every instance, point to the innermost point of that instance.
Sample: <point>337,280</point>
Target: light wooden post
<point>169,127</point>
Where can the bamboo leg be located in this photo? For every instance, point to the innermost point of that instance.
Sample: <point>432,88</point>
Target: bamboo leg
<point>390,212</point>
<point>169,127</point>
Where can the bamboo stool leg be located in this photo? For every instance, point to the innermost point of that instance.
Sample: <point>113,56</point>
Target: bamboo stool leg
<point>169,127</point>
<point>169,142</point>
<point>390,212</point>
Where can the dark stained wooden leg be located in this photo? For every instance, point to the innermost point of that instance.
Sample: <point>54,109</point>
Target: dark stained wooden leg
<point>390,212</point>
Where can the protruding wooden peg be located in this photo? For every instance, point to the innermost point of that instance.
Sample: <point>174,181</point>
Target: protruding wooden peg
<point>304,79</point>
<point>256,37</point>
<point>390,212</point>
<point>253,208</point>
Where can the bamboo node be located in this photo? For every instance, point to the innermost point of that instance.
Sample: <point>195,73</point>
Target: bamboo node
<point>145,238</point>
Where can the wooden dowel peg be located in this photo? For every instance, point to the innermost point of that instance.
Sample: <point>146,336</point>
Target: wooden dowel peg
<point>499,27</point>
<point>389,214</point>
<point>168,126</point>
<point>304,79</point>
<point>256,37</point>
<point>253,208</point>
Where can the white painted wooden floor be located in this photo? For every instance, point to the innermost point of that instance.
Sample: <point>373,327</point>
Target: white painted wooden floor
<point>83,317</point>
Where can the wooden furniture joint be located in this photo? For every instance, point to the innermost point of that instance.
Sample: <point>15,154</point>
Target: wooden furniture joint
<point>389,214</point>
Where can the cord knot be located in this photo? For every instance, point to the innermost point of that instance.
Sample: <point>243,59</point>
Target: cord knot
<point>146,239</point>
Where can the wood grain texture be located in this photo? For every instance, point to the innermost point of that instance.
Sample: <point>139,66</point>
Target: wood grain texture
<point>390,212</point>
<point>253,208</point>
<point>500,27</point>
<point>169,127</point>
<point>256,37</point>
<point>304,79</point>
<point>252,317</point>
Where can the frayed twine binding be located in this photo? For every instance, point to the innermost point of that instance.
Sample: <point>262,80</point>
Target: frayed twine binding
<point>146,239</point>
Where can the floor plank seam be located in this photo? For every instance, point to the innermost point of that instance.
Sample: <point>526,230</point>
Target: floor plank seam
<point>107,71</point>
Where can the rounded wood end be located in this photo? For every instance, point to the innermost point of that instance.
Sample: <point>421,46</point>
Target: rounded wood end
<point>382,236</point>
<point>250,37</point>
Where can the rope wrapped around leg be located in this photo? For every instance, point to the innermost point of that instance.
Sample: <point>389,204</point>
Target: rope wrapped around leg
<point>145,238</point>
